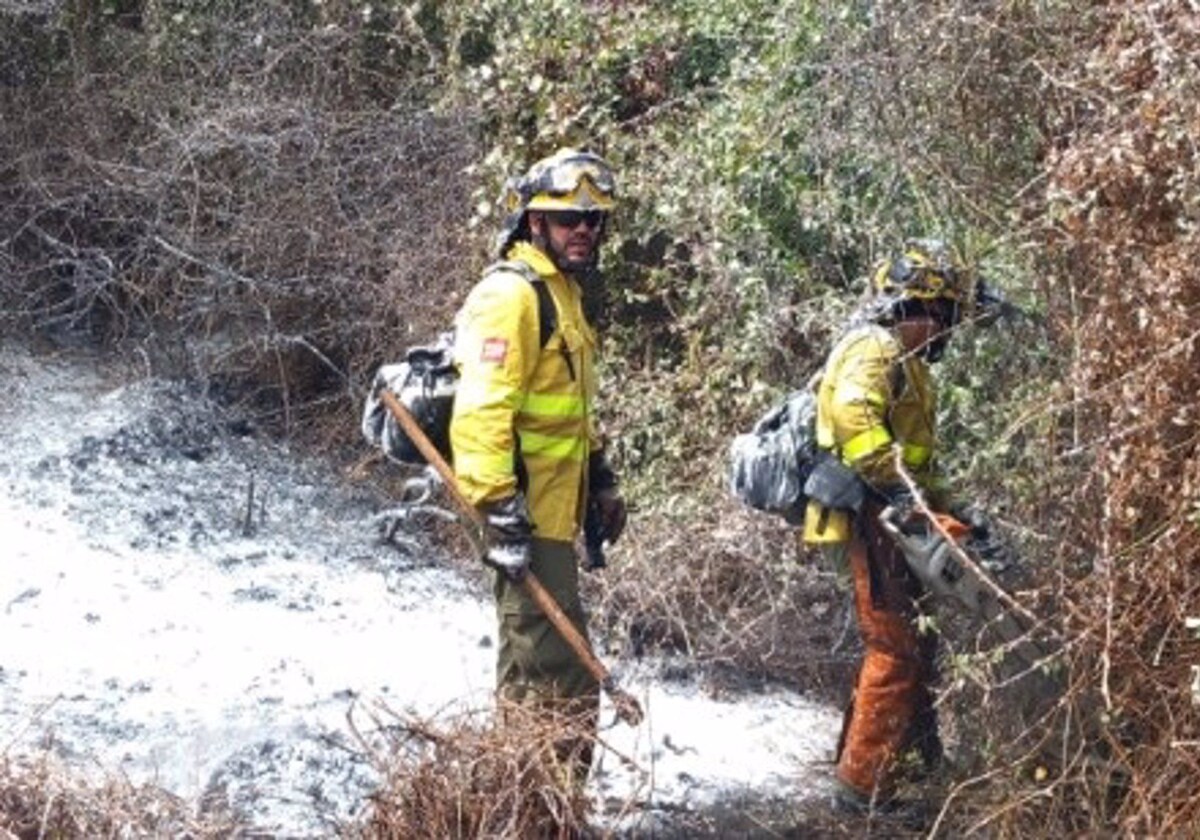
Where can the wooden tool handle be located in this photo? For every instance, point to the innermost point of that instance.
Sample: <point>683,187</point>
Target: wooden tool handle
<point>626,705</point>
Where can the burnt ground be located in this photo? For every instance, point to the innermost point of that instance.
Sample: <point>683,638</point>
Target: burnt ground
<point>190,603</point>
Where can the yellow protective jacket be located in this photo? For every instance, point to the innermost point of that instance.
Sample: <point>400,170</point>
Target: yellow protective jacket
<point>872,394</point>
<point>522,409</point>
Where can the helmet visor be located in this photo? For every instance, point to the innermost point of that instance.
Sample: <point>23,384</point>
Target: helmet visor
<point>930,284</point>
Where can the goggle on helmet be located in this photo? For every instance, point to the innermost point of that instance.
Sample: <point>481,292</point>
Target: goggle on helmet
<point>570,179</point>
<point>567,180</point>
<point>927,270</point>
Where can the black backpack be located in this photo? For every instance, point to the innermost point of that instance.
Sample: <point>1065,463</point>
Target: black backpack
<point>426,381</point>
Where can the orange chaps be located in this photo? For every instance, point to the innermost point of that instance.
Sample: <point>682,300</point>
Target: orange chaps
<point>891,710</point>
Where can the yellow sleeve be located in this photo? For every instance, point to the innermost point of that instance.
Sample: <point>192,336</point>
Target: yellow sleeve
<point>497,349</point>
<point>860,398</point>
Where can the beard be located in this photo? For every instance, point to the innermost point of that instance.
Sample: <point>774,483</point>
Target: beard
<point>585,272</point>
<point>578,268</point>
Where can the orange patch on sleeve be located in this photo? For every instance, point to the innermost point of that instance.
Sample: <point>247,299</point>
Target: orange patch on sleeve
<point>494,350</point>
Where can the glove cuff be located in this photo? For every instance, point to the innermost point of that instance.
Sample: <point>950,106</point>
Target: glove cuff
<point>509,517</point>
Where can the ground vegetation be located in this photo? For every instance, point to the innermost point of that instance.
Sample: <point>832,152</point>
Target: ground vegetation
<point>276,197</point>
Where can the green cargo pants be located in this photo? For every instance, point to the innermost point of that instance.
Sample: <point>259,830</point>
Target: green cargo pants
<point>534,666</point>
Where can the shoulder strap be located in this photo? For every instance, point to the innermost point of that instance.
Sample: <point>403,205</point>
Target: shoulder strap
<point>547,313</point>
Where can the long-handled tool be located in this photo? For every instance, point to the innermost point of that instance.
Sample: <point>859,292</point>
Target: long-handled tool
<point>627,706</point>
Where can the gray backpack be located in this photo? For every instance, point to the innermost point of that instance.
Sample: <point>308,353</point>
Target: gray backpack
<point>778,466</point>
<point>770,464</point>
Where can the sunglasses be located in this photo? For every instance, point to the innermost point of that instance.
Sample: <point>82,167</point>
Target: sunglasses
<point>570,219</point>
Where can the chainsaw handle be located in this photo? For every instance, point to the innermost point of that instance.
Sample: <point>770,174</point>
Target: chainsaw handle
<point>894,518</point>
<point>953,527</point>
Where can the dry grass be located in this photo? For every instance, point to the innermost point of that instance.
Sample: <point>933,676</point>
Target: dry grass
<point>476,775</point>
<point>737,597</point>
<point>41,799</point>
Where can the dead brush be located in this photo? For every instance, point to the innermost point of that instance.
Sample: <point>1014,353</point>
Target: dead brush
<point>276,237</point>
<point>469,776</point>
<point>1118,752</point>
<point>40,799</point>
<point>739,595</point>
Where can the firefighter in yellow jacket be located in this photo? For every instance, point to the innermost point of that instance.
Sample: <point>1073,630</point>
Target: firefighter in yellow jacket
<point>525,446</point>
<point>876,394</point>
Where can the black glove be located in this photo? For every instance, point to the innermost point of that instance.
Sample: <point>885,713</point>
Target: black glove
<point>600,473</point>
<point>992,553</point>
<point>509,536</point>
<point>606,508</point>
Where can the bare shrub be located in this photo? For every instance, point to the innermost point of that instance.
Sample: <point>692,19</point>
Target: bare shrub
<point>467,776</point>
<point>1122,190</point>
<point>1115,508</point>
<point>285,246</point>
<point>38,798</point>
<point>737,596</point>
<point>269,234</point>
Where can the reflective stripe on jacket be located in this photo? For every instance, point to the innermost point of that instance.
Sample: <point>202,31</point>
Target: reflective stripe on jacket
<point>871,395</point>
<point>517,399</point>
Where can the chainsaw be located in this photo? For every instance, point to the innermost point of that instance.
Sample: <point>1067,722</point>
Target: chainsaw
<point>954,565</point>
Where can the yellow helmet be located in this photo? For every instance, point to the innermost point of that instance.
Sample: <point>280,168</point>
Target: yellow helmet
<point>570,179</point>
<point>928,269</point>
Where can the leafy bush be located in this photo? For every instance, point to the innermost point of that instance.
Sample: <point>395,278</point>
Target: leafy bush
<point>324,194</point>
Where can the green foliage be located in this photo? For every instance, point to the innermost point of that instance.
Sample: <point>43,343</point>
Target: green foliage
<point>761,177</point>
<point>762,170</point>
<point>272,177</point>
<point>769,153</point>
